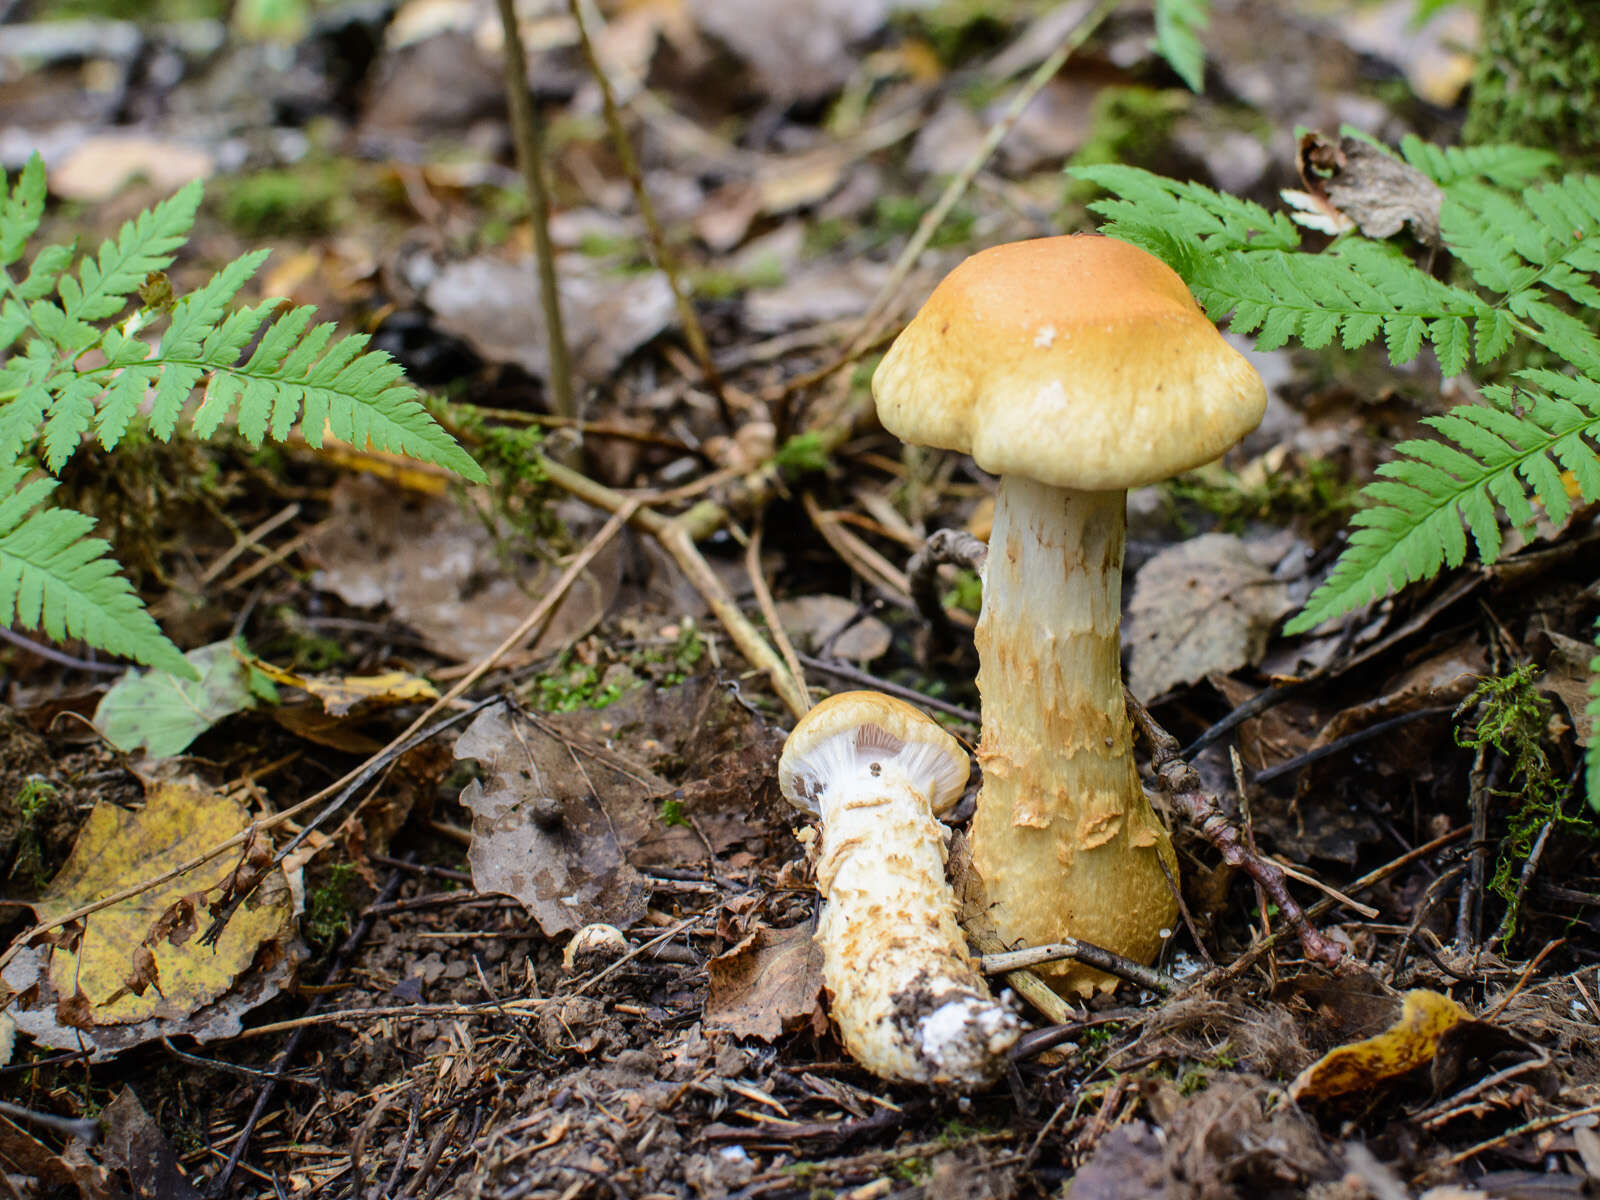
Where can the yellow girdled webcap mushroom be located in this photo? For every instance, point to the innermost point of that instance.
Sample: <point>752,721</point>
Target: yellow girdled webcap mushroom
<point>1073,368</point>
<point>909,1001</point>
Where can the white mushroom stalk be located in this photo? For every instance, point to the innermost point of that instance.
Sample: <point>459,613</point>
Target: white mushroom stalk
<point>909,1001</point>
<point>1073,368</point>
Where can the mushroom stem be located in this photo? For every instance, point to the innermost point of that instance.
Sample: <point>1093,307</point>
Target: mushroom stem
<point>908,998</point>
<point>1064,839</point>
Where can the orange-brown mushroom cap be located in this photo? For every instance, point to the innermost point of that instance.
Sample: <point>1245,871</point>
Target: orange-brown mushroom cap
<point>1082,362</point>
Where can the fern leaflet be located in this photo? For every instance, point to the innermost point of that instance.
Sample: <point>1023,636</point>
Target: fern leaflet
<point>1503,166</point>
<point>1419,512</point>
<point>21,210</point>
<point>1148,202</point>
<point>56,578</point>
<point>1179,24</point>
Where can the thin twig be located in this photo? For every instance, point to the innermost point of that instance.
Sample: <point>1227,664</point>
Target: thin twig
<point>1083,952</point>
<point>953,546</point>
<point>51,654</point>
<point>1527,1127</point>
<point>862,678</point>
<point>85,1129</point>
<point>962,180</point>
<point>769,611</point>
<point>1182,786</point>
<point>1508,922</point>
<point>665,260</point>
<point>1026,984</point>
<point>528,130</point>
<point>862,558</point>
<point>675,537</point>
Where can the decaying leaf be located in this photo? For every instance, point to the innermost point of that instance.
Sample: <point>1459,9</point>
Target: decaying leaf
<point>1200,606</point>
<point>340,694</point>
<point>440,572</point>
<point>493,304</point>
<point>558,854</point>
<point>834,624</point>
<point>797,50</point>
<point>1567,677</point>
<point>162,714</point>
<point>1411,1042</point>
<point>767,984</point>
<point>135,1144</point>
<point>1379,192</point>
<point>133,971</point>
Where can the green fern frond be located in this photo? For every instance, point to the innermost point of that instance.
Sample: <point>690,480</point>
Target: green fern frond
<point>1179,24</point>
<point>53,574</point>
<point>1146,202</point>
<point>21,209</point>
<point>146,243</point>
<point>1355,292</point>
<point>295,374</point>
<point>1503,166</point>
<point>56,578</point>
<point>1419,513</point>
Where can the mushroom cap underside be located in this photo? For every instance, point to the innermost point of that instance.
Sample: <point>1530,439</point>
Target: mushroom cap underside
<point>1081,362</point>
<point>845,729</point>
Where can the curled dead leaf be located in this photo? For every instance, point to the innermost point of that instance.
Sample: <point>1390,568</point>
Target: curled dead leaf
<point>1409,1043</point>
<point>769,983</point>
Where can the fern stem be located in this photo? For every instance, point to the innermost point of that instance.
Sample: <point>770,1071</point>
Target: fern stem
<point>528,130</point>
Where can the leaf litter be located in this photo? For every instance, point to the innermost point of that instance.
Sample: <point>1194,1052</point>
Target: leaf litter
<point>449,1049</point>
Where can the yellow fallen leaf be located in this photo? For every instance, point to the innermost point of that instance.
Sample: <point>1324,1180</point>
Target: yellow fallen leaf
<point>1409,1043</point>
<point>121,944</point>
<point>339,695</point>
<point>407,472</point>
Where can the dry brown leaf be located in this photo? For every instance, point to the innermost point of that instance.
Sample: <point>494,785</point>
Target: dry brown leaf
<point>823,622</point>
<point>556,850</point>
<point>767,984</point>
<point>1201,606</point>
<point>1379,192</point>
<point>440,572</point>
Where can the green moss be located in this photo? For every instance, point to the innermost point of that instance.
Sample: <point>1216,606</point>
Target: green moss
<point>308,200</point>
<point>1511,716</point>
<point>330,905</point>
<point>803,454</point>
<point>967,592</point>
<point>1130,125</point>
<point>33,803</point>
<point>571,685</point>
<point>1538,77</point>
<point>1315,489</point>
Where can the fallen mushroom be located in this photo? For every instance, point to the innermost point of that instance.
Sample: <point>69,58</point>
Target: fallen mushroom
<point>1074,368</point>
<point>906,994</point>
